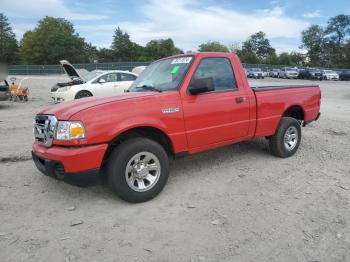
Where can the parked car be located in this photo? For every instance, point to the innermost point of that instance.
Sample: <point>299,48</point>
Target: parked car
<point>138,70</point>
<point>95,83</point>
<point>4,90</point>
<point>255,73</point>
<point>310,73</point>
<point>265,73</point>
<point>274,72</point>
<point>288,72</point>
<point>330,75</point>
<point>179,106</point>
<point>345,75</point>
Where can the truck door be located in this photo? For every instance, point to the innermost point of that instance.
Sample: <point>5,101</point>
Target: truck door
<point>219,115</point>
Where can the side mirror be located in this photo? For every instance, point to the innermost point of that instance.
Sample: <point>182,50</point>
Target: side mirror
<point>201,85</point>
<point>101,81</point>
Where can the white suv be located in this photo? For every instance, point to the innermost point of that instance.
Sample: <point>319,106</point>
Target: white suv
<point>288,72</point>
<point>95,83</point>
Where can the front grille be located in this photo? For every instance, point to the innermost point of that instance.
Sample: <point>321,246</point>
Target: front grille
<point>44,129</point>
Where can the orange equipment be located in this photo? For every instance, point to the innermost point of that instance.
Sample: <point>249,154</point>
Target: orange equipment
<point>17,92</point>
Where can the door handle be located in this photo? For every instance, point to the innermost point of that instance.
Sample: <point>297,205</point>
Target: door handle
<point>240,99</point>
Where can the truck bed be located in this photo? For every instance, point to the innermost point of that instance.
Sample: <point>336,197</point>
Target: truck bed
<point>269,88</point>
<point>273,101</point>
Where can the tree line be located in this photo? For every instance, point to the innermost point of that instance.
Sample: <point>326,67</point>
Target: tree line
<point>54,39</point>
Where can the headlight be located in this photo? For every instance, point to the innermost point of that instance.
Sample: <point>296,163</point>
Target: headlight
<point>64,88</point>
<point>70,130</point>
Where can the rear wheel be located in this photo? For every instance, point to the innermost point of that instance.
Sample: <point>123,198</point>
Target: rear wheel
<point>285,142</point>
<point>138,169</point>
<point>82,94</point>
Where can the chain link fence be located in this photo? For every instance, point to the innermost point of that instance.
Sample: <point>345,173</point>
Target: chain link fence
<point>127,66</point>
<point>57,69</point>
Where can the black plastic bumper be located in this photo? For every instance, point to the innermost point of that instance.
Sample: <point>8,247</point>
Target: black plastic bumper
<point>317,117</point>
<point>56,170</point>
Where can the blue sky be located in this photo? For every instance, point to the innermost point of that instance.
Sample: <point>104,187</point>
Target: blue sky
<point>188,22</point>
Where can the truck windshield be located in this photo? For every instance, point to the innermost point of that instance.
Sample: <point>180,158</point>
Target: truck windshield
<point>163,75</point>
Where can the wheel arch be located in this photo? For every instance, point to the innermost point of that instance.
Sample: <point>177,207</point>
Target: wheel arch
<point>150,132</point>
<point>82,90</point>
<point>295,111</point>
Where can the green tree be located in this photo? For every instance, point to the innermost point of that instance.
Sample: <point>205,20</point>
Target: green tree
<point>284,59</point>
<point>8,42</point>
<point>90,53</point>
<point>297,59</point>
<point>105,55</point>
<point>259,45</point>
<point>313,41</point>
<point>156,49</point>
<point>336,36</point>
<point>123,48</point>
<point>272,59</point>
<point>52,40</point>
<point>338,28</point>
<point>248,57</point>
<point>346,59</point>
<point>212,46</point>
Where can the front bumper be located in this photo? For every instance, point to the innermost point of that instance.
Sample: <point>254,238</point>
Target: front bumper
<point>317,77</point>
<point>331,77</point>
<point>59,97</point>
<point>56,170</point>
<point>69,163</point>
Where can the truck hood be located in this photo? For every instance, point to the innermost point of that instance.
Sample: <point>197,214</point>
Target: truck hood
<point>69,69</point>
<point>64,111</point>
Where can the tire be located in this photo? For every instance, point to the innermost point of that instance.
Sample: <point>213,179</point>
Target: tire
<point>278,146</point>
<point>82,94</point>
<point>127,183</point>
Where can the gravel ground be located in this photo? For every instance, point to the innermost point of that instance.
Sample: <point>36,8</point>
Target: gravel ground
<point>236,203</point>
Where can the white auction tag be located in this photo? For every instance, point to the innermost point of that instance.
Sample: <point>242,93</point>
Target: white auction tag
<point>182,60</point>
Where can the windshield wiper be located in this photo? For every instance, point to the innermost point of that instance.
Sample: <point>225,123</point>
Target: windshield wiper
<point>150,88</point>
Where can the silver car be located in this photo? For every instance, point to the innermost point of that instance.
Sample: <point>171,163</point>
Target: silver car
<point>274,72</point>
<point>288,72</point>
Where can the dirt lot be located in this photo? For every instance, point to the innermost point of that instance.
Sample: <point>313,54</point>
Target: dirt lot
<point>237,203</point>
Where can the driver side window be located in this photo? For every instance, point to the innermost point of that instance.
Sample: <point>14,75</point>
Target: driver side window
<point>218,69</point>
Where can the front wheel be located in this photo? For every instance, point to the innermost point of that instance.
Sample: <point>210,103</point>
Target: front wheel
<point>285,142</point>
<point>138,169</point>
<point>82,94</point>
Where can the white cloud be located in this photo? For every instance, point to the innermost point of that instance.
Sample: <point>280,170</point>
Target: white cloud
<point>189,23</point>
<point>314,14</point>
<point>41,8</point>
<point>283,47</point>
<point>20,29</point>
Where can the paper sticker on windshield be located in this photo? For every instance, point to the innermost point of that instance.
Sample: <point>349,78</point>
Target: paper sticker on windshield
<point>175,69</point>
<point>182,60</point>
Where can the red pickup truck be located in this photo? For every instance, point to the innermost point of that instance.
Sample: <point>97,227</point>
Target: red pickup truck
<point>178,106</point>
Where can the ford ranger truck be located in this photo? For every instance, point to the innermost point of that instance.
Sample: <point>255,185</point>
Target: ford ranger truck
<point>178,106</point>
